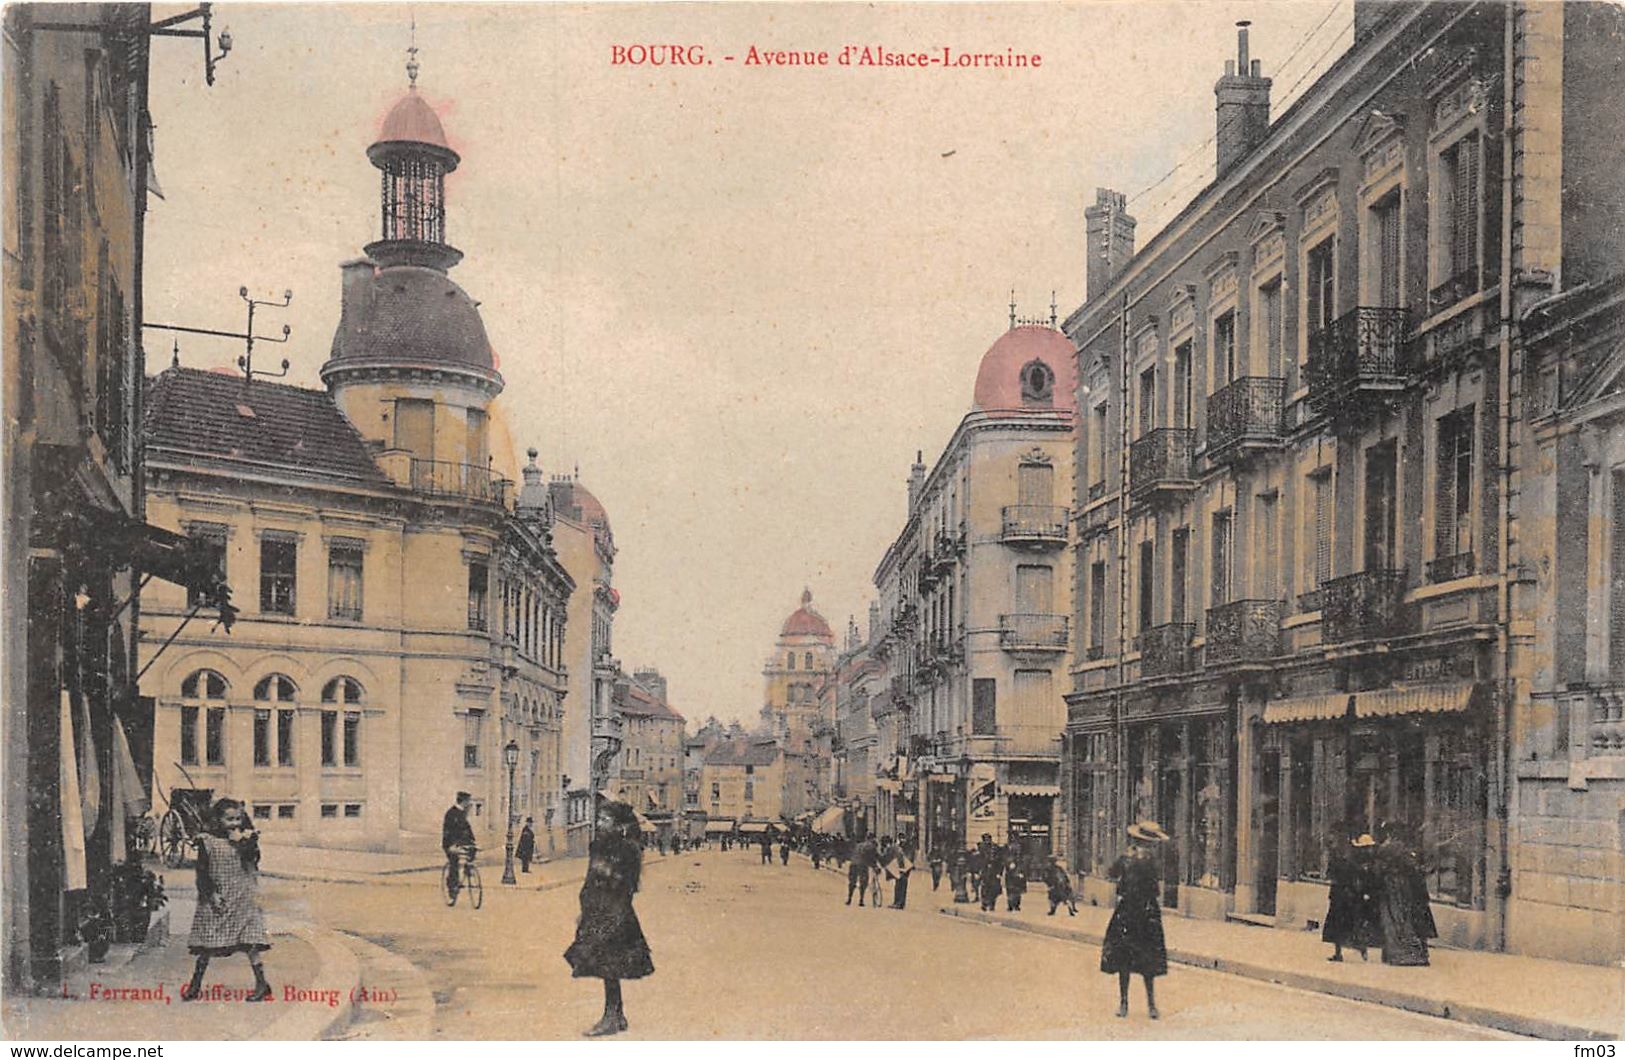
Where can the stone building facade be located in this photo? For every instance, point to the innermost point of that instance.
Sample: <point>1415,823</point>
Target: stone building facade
<point>404,611</point>
<point>796,711</point>
<point>1306,599</point>
<point>651,774</point>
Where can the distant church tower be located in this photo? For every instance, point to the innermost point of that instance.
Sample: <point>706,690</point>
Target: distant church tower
<point>411,365</point>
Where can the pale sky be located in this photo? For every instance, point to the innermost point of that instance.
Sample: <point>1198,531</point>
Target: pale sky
<point>738,298</point>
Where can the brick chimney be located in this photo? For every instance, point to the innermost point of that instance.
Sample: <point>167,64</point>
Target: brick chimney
<point>916,480</point>
<point>1108,239</point>
<point>652,681</point>
<point>1243,108</point>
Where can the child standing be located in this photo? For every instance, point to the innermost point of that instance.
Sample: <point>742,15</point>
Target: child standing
<point>228,918</point>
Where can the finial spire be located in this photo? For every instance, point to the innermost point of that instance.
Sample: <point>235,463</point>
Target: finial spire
<point>412,57</point>
<point>1012,308</point>
<point>1052,308</point>
<point>175,355</point>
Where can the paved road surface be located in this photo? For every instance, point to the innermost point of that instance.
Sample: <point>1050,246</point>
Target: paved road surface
<point>744,950</point>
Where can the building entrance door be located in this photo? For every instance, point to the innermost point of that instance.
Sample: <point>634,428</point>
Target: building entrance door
<point>1269,831</point>
<point>1030,835</point>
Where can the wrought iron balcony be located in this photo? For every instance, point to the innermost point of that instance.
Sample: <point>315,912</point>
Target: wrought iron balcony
<point>947,550</point>
<point>1034,525</point>
<point>1244,631</point>
<point>1244,417</point>
<point>930,574</point>
<point>1159,464</point>
<point>1449,568</point>
<point>1364,606</point>
<point>1166,649</point>
<point>1038,633</point>
<point>1362,353</point>
<point>441,478</point>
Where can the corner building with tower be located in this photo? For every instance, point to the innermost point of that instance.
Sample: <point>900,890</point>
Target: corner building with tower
<point>403,609</point>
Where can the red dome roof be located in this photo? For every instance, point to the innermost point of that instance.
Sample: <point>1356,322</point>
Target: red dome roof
<point>806,622</point>
<point>1008,378</point>
<point>413,121</point>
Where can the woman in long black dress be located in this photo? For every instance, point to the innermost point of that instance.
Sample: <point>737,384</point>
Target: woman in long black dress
<point>1402,902</point>
<point>1134,944</point>
<point>609,943</point>
<point>1351,918</point>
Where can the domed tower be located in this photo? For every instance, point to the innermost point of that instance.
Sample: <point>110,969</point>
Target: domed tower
<point>411,365</point>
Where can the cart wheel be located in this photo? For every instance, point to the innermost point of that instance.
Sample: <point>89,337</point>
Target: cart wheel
<point>476,893</point>
<point>172,840</point>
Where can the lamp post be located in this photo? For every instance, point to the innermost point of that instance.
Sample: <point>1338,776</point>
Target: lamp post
<point>510,755</point>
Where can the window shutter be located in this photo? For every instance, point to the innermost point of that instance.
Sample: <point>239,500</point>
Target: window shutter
<point>1323,530</point>
<point>1444,490</point>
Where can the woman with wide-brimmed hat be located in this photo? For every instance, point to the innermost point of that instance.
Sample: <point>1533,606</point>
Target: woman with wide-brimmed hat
<point>609,942</point>
<point>1134,944</point>
<point>1351,913</point>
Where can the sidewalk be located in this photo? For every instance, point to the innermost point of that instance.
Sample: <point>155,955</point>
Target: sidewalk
<point>1521,995</point>
<point>135,995</point>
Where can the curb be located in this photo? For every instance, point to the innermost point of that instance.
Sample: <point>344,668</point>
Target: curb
<point>1511,1023</point>
<point>410,1017</point>
<point>334,962</point>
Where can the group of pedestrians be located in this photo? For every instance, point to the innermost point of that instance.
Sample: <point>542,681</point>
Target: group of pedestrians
<point>987,870</point>
<point>875,863</point>
<point>1378,899</point>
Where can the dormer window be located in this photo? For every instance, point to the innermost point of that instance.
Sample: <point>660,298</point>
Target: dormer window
<point>1037,383</point>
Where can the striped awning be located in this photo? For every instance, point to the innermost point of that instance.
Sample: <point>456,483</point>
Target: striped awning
<point>831,822</point>
<point>1051,790</point>
<point>1323,707</point>
<point>718,827</point>
<point>1438,698</point>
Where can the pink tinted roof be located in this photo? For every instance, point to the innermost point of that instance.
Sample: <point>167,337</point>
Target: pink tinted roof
<point>412,120</point>
<point>998,381</point>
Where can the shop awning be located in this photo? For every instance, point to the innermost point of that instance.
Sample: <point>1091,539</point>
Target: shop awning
<point>1439,698</point>
<point>1325,707</point>
<point>1048,790</point>
<point>905,818</point>
<point>753,826</point>
<point>831,822</point>
<point>719,827</point>
<point>643,822</point>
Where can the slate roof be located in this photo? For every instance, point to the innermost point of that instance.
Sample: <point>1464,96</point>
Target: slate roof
<point>640,702</point>
<point>191,412</point>
<point>743,753</point>
<point>410,315</point>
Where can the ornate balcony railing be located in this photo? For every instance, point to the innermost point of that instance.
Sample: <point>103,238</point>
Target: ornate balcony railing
<point>441,478</point>
<point>1449,568</point>
<point>1454,289</point>
<point>1244,416</point>
<point>1032,632</point>
<point>1364,606</point>
<point>1364,350</point>
<point>1034,524</point>
<point>947,549</point>
<point>1160,462</point>
<point>1244,631</point>
<point>1166,649</point>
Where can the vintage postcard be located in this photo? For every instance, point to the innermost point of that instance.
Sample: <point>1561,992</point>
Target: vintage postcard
<point>797,521</point>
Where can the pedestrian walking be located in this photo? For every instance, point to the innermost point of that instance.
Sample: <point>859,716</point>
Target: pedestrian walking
<point>525,849</point>
<point>609,942</point>
<point>1015,885</point>
<point>990,883</point>
<point>784,851</point>
<point>1402,901</point>
<point>767,847</point>
<point>1059,882</point>
<point>935,862</point>
<point>228,918</point>
<point>815,850</point>
<point>857,872</point>
<point>1134,943</point>
<point>1351,915</point>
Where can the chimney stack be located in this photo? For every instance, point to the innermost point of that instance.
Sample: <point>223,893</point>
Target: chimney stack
<point>916,480</point>
<point>652,681</point>
<point>1243,105</point>
<point>1108,240</point>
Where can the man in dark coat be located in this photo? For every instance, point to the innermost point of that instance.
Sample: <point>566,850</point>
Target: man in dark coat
<point>1015,884</point>
<point>457,838</point>
<point>864,861</point>
<point>767,847</point>
<point>525,851</point>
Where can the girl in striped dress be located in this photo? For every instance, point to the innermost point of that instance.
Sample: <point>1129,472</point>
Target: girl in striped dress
<point>228,918</point>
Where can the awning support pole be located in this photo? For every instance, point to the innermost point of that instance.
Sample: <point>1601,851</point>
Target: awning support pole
<point>165,646</point>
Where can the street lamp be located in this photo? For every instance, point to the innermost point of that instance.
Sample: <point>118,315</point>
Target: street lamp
<point>510,755</point>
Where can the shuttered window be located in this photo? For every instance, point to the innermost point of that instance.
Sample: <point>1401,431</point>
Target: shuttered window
<point>1323,529</point>
<point>1387,222</point>
<point>1178,563</point>
<point>1461,163</point>
<point>1453,485</point>
<point>1219,559</point>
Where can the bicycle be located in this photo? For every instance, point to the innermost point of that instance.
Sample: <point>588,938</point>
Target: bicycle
<point>451,886</point>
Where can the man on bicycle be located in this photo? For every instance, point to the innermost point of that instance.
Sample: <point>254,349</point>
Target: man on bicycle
<point>457,839</point>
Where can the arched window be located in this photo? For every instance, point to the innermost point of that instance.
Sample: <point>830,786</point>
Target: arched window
<point>341,746</point>
<point>808,662</point>
<point>277,687</point>
<point>210,687</point>
<point>792,663</point>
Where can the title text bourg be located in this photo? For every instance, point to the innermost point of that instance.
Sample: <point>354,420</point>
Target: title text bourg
<point>855,55</point>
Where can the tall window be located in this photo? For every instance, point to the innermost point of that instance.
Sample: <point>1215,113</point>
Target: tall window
<point>347,691</point>
<point>1097,608</point>
<point>476,437</point>
<point>284,737</point>
<point>984,704</point>
<point>791,661</point>
<point>1318,282</point>
<point>1182,385</point>
<point>1270,323</point>
<point>1148,400</point>
<point>189,735</point>
<point>1035,589</point>
<point>807,661</point>
<point>1219,557</point>
<point>344,581</point>
<point>479,576</point>
<point>473,727</point>
<point>1097,446</point>
<point>1318,568</point>
<point>279,563</point>
<point>1178,562</point>
<point>414,427</point>
<point>1266,549</point>
<point>1148,570</point>
<point>1035,484</point>
<point>1453,486</point>
<point>1385,219</point>
<point>330,738</point>
<point>274,688</point>
<point>352,738</point>
<point>262,737</point>
<point>211,542</point>
<point>203,687</point>
<point>1380,504</point>
<point>1458,180</point>
<point>1224,349</point>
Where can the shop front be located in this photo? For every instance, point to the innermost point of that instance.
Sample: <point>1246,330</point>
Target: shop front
<point>945,813</point>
